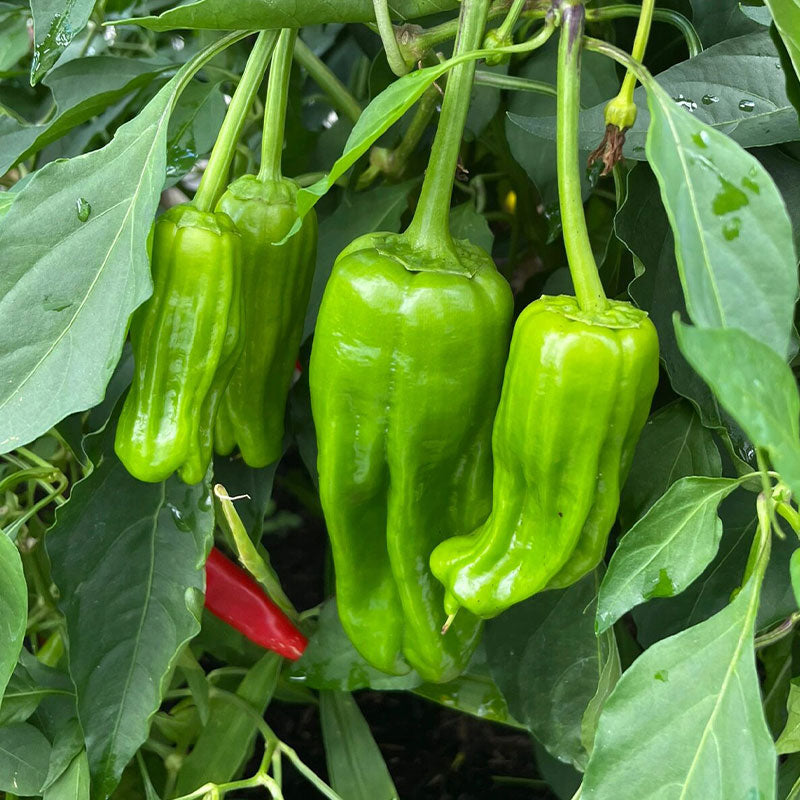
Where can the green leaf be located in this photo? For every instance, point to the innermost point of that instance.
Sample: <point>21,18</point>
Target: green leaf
<point>226,741</point>
<point>14,41</point>
<point>374,121</point>
<point>55,25</point>
<point>672,445</point>
<point>13,608</point>
<point>673,726</point>
<point>716,20</point>
<point>537,154</point>
<point>789,740</point>
<point>610,671</point>
<point>24,754</point>
<point>73,783</point>
<point>728,219</point>
<point>473,692</point>
<point>356,767</point>
<point>81,89</point>
<point>732,87</point>
<point>786,15</point>
<point>755,386</point>
<point>544,656</point>
<point>331,662</point>
<point>377,210</point>
<point>61,330</point>
<point>667,549</point>
<point>131,581</point>
<point>258,14</point>
<point>467,223</point>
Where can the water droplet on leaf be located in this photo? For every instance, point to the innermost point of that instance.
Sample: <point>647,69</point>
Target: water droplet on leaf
<point>708,99</point>
<point>729,198</point>
<point>746,105</point>
<point>84,209</point>
<point>685,102</point>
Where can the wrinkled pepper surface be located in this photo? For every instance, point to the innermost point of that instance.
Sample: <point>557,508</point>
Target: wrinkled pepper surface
<point>276,283</point>
<point>576,394</point>
<point>185,342</point>
<point>405,376</point>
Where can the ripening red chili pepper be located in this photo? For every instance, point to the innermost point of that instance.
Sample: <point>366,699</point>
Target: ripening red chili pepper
<point>234,597</point>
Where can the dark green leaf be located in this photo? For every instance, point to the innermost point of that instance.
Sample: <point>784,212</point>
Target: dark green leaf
<point>258,14</point>
<point>226,741</point>
<point>760,393</point>
<point>667,549</point>
<point>131,582</point>
<point>61,331</point>
<point>331,662</point>
<point>786,15</point>
<point>545,658</point>
<point>467,223</point>
<point>73,783</point>
<point>673,444</point>
<point>24,754</point>
<point>356,767</point>
<point>356,214</point>
<point>13,608</point>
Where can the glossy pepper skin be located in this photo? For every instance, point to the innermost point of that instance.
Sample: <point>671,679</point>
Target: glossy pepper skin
<point>405,376</point>
<point>234,597</point>
<point>185,340</point>
<point>276,283</point>
<point>576,394</point>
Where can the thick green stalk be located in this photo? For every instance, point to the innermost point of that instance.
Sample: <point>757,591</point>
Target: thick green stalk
<point>507,25</point>
<point>321,74</point>
<point>280,72</point>
<point>216,174</point>
<point>430,227</point>
<point>582,267</point>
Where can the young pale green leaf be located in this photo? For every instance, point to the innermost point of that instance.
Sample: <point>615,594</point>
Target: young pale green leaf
<point>24,755</point>
<point>673,444</point>
<point>667,549</point>
<point>673,726</point>
<point>13,608</point>
<point>55,25</point>
<point>226,740</point>
<point>81,88</point>
<point>14,40</point>
<point>74,247</point>
<point>754,386</point>
<point>789,740</point>
<point>258,14</point>
<point>546,660</point>
<point>131,580</point>
<point>355,765</point>
<point>374,121</point>
<point>786,15</point>
<point>728,220</point>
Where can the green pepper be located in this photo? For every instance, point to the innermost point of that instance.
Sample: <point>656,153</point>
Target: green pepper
<point>186,338</point>
<point>276,283</point>
<point>576,395</point>
<point>405,375</point>
<point>180,336</point>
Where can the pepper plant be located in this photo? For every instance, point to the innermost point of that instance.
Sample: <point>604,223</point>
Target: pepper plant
<point>398,400</point>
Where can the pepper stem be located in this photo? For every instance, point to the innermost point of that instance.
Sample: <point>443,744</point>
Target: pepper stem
<point>280,72</point>
<point>430,227</point>
<point>582,266</point>
<point>219,163</point>
<point>621,110</point>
